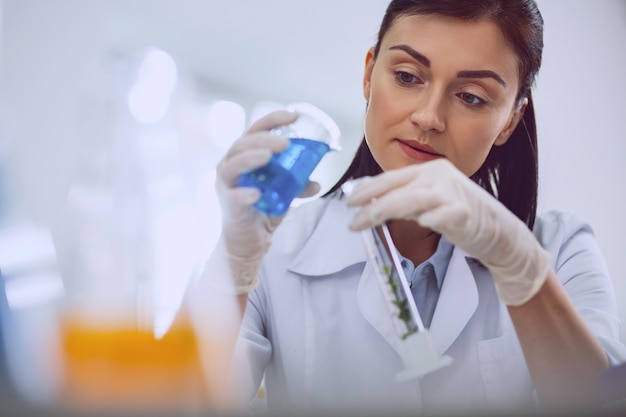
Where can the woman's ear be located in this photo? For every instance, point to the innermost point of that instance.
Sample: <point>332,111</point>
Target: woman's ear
<point>515,118</point>
<point>367,76</point>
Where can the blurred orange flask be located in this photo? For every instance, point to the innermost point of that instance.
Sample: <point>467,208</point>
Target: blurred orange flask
<point>130,369</point>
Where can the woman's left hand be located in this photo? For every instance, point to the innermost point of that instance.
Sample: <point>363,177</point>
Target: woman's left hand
<point>440,197</point>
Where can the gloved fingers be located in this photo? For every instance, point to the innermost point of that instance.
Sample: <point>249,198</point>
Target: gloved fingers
<point>229,169</point>
<point>273,120</point>
<point>241,197</point>
<point>406,202</point>
<point>375,187</point>
<point>247,233</point>
<point>310,190</point>
<point>448,220</point>
<point>258,140</point>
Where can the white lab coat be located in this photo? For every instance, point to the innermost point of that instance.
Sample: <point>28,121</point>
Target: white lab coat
<point>320,331</point>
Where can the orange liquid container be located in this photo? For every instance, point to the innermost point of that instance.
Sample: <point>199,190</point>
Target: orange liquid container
<point>109,367</point>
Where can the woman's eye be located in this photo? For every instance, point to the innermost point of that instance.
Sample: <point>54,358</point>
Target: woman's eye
<point>471,99</point>
<point>406,78</point>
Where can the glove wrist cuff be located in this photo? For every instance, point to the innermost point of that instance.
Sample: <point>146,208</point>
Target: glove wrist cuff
<point>517,284</point>
<point>231,273</point>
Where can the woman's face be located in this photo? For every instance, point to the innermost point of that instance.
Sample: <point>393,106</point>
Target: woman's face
<point>440,88</point>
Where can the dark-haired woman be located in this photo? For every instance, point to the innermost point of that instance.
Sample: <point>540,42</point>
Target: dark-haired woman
<point>522,303</point>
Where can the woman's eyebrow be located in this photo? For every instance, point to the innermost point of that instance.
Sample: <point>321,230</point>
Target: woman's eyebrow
<point>416,55</point>
<point>461,74</point>
<point>481,74</point>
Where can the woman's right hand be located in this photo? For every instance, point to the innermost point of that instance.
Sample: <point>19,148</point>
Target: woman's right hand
<point>247,233</point>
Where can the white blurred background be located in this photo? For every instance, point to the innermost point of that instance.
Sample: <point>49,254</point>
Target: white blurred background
<point>114,113</point>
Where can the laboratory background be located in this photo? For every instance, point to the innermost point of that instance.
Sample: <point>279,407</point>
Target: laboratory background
<point>114,114</point>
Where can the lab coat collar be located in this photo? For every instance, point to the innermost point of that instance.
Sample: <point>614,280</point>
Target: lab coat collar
<point>457,302</point>
<point>331,247</point>
<point>458,298</point>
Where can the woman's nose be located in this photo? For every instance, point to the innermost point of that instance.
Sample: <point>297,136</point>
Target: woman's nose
<point>429,111</point>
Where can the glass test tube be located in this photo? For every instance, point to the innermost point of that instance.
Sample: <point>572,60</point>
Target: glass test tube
<point>414,342</point>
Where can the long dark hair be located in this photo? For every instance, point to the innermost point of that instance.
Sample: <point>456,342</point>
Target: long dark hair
<point>510,172</point>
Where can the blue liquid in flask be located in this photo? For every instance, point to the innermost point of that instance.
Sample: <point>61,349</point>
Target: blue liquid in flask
<point>285,176</point>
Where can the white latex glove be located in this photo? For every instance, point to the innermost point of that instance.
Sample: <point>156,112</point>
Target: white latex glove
<point>247,233</point>
<point>440,197</point>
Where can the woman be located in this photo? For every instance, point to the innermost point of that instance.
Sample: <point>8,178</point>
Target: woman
<point>450,144</point>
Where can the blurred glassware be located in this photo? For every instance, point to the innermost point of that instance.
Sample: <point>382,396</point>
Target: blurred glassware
<point>128,247</point>
<point>33,287</point>
<point>7,393</point>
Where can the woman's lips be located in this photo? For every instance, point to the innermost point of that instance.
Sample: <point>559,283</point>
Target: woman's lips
<point>416,150</point>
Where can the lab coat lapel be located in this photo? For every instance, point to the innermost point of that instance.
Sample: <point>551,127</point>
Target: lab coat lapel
<point>331,247</point>
<point>457,302</point>
<point>373,306</point>
<point>349,245</point>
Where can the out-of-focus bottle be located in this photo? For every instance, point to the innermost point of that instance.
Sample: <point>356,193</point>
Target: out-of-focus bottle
<point>128,342</point>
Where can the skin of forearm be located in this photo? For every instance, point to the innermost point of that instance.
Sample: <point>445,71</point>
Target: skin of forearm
<point>563,356</point>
